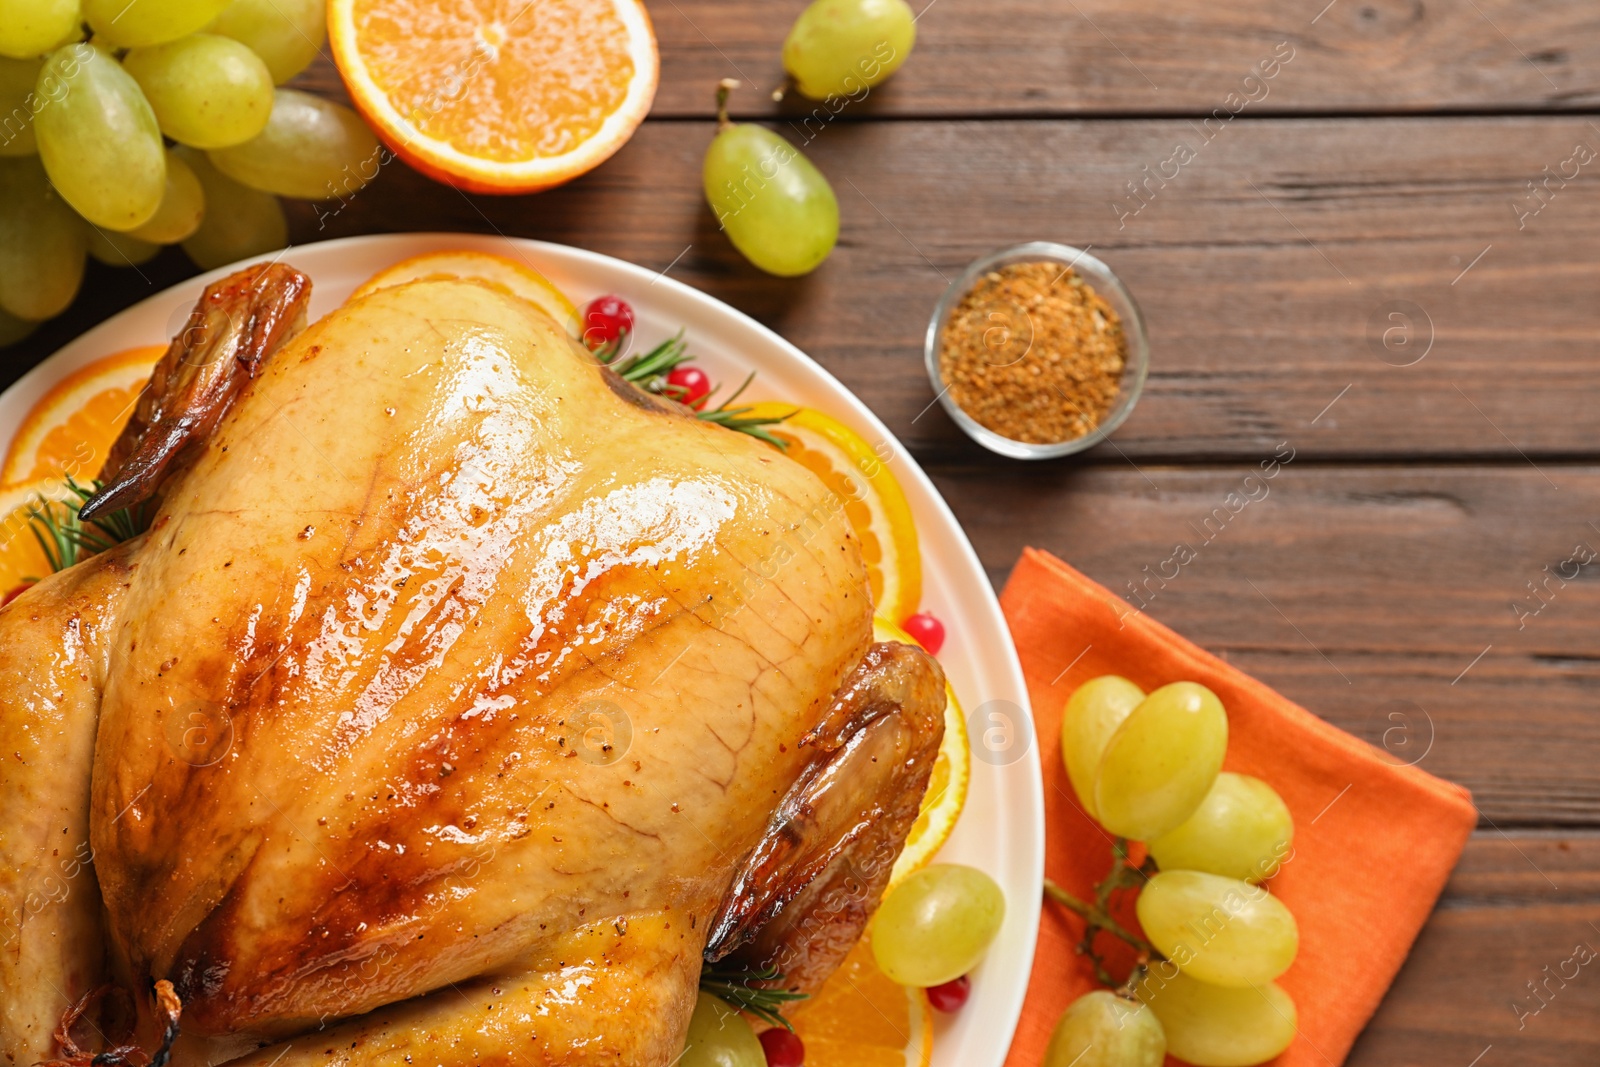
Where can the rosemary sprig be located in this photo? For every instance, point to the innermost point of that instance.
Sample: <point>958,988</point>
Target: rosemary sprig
<point>649,372</point>
<point>739,418</point>
<point>737,987</point>
<point>56,534</point>
<point>66,539</point>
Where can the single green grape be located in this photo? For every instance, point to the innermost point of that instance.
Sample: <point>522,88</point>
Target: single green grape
<point>1094,711</point>
<point>1216,1026</point>
<point>1242,829</point>
<point>239,222</point>
<point>207,91</point>
<point>845,47</point>
<point>311,149</point>
<point>1218,930</point>
<point>720,1037</point>
<point>137,23</point>
<point>1160,763</point>
<point>776,207</point>
<point>120,249</point>
<point>286,34</point>
<point>98,138</point>
<point>13,329</point>
<point>30,28</point>
<point>936,925</point>
<point>183,205</point>
<point>42,243</point>
<point>17,79</point>
<point>1101,1029</point>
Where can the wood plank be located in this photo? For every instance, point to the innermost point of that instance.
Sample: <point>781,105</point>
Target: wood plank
<point>1394,602</point>
<point>1039,57</point>
<point>1262,269</point>
<point>1518,904</point>
<point>1265,268</point>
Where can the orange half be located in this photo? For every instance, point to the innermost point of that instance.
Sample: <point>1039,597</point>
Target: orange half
<point>508,275</point>
<point>875,505</point>
<point>946,797</point>
<point>73,425</point>
<point>22,560</point>
<point>859,1018</point>
<point>498,96</point>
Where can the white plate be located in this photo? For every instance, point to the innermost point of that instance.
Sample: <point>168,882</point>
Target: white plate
<point>1002,830</point>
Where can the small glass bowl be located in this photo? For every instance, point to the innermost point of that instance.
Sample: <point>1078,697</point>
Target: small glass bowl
<point>1098,275</point>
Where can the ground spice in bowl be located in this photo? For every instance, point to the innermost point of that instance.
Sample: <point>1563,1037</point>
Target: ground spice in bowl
<point>1033,353</point>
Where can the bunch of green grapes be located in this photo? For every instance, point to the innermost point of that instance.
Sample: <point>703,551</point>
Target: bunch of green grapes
<point>776,207</point>
<point>126,125</point>
<point>1149,768</point>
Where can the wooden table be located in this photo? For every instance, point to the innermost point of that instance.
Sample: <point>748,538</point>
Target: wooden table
<point>1377,252</point>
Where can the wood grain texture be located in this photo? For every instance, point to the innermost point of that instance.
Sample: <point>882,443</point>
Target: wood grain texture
<point>1410,605</point>
<point>1518,903</point>
<point>1047,57</point>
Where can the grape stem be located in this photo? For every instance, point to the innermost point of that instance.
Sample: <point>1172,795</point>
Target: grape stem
<point>1130,988</point>
<point>1097,916</point>
<point>724,87</point>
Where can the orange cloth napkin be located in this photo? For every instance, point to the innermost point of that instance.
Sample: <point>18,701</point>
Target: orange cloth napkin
<point>1374,841</point>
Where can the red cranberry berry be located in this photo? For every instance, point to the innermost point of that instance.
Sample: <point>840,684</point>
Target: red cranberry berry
<point>692,384</point>
<point>928,631</point>
<point>783,1047</point>
<point>18,591</point>
<point>606,319</point>
<point>950,996</point>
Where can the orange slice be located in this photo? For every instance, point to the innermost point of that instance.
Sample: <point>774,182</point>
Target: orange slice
<point>69,430</point>
<point>502,272</point>
<point>874,502</point>
<point>859,1018</point>
<point>946,797</point>
<point>498,96</point>
<point>21,558</point>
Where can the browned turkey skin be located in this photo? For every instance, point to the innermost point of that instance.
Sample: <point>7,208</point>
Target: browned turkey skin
<point>459,703</point>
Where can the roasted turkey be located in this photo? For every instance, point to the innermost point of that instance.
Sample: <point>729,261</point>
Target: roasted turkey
<point>461,702</point>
